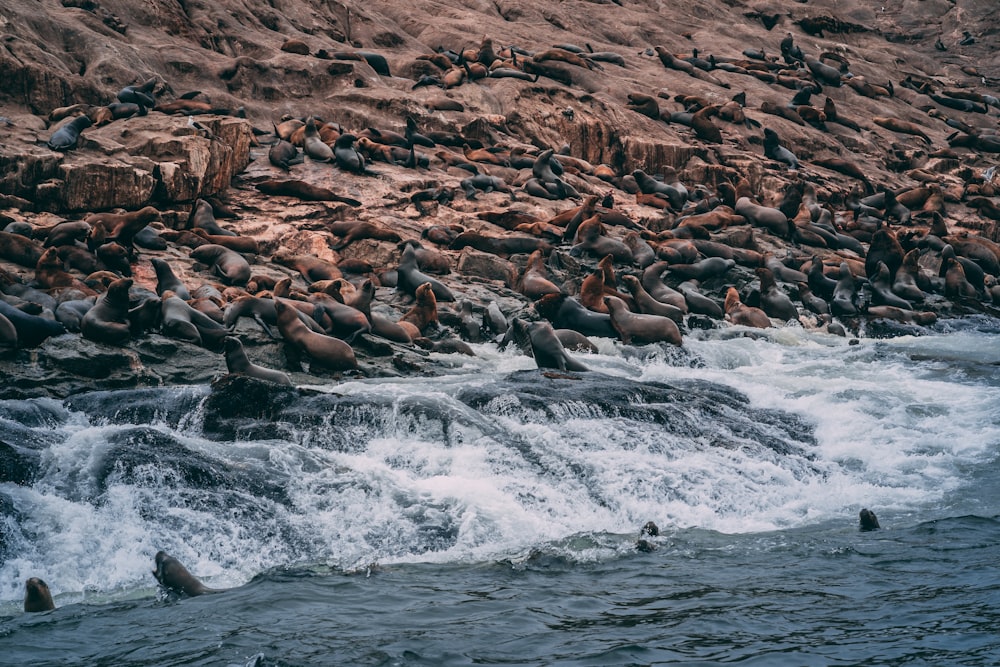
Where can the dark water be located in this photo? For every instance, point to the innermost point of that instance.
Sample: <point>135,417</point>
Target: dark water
<point>924,593</point>
<point>491,517</point>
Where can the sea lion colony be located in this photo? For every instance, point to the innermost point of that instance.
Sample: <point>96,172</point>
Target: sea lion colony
<point>734,235</point>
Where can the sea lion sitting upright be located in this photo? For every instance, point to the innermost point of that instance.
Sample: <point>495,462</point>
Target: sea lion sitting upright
<point>323,350</point>
<point>641,329</point>
<point>409,277</point>
<point>740,313</point>
<point>107,321</point>
<point>173,576</point>
<point>37,596</point>
<point>545,346</point>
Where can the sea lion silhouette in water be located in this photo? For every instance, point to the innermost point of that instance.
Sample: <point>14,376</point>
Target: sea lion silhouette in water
<point>37,596</point>
<point>868,520</point>
<point>173,576</point>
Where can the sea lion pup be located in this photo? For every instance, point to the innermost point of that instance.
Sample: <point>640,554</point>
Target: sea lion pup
<point>37,596</point>
<point>545,346</point>
<point>312,269</point>
<point>174,577</point>
<point>534,282</point>
<point>229,265</point>
<point>354,230</point>
<point>773,150</point>
<point>641,329</point>
<point>773,301</point>
<point>66,137</point>
<point>867,520</point>
<point>238,362</point>
<point>739,313</point>
<point>422,314</point>
<point>303,190</point>
<point>325,351</point>
<point>409,277</point>
<point>107,321</point>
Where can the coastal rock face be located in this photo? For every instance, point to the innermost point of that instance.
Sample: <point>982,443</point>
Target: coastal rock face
<point>611,87</point>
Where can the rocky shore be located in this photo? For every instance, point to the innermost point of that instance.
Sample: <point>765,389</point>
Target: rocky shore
<point>825,165</point>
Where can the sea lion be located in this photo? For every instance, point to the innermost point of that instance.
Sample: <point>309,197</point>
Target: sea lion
<point>108,322</point>
<point>354,230</point>
<point>339,319</point>
<point>882,293</point>
<point>884,247</point>
<point>740,313</point>
<point>545,346</point>
<point>238,362</point>
<point>231,267</point>
<point>121,227</point>
<point>67,136</point>
<point>590,238</point>
<point>326,351</point>
<point>50,275</point>
<point>902,126</point>
<point>844,293</point>
<point>698,302</point>
<point>310,268</point>
<point>184,322</point>
<point>709,267</point>
<point>534,282</point>
<point>769,218</point>
<point>203,216</point>
<point>303,190</point>
<point>67,233</point>
<point>773,301</point>
<point>31,330</point>
<point>37,596</point>
<point>141,94</point>
<point>638,328</point>
<point>20,250</point>
<point>409,277</point>
<point>773,149</point>
<point>647,305</point>
<point>867,520</point>
<point>652,282</point>
<point>565,312</point>
<point>312,145</point>
<point>423,313</point>
<point>173,576</point>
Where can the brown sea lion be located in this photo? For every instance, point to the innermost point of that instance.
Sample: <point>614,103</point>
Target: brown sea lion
<point>740,313</point>
<point>121,227</point>
<point>37,596</point>
<point>354,230</point>
<point>534,282</point>
<point>303,190</point>
<point>310,268</point>
<point>326,351</point>
<point>20,250</point>
<point>423,313</point>
<point>50,275</point>
<point>409,277</point>
<point>641,329</point>
<point>647,305</point>
<point>901,126</point>
<point>545,345</point>
<point>231,267</point>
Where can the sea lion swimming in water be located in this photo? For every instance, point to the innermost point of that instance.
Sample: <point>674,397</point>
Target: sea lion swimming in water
<point>173,576</point>
<point>37,596</point>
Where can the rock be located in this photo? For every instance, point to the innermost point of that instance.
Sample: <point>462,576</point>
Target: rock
<point>484,265</point>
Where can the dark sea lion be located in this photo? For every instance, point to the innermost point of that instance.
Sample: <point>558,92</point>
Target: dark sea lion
<point>704,269</point>
<point>31,330</point>
<point>312,145</point>
<point>649,185</point>
<point>698,302</point>
<point>740,313</point>
<point>380,326</point>
<point>37,596</point>
<point>203,216</point>
<point>844,293</point>
<point>818,281</point>
<point>545,346</point>
<point>67,233</point>
<point>326,351</point>
<point>647,305</point>
<point>590,238</point>
<point>639,329</point>
<point>114,257</point>
<point>565,312</point>
<point>409,277</point>
<point>108,321</point>
<point>339,319</point>
<point>956,284</point>
<point>347,156</point>
<point>173,576</point>
<point>303,190</point>
<point>882,294</point>
<point>231,267</point>
<point>140,93</point>
<point>574,340</point>
<point>652,282</point>
<point>769,218</point>
<point>283,154</point>
<point>642,252</point>
<point>884,247</point>
<point>182,321</point>
<point>238,362</point>
<point>67,136</point>
<point>867,520</point>
<point>811,301</point>
<point>773,300</point>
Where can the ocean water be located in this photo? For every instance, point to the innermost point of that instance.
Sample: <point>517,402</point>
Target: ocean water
<point>490,516</point>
